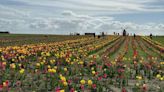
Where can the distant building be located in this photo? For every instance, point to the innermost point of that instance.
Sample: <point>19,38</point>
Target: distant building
<point>77,34</point>
<point>90,34</point>
<point>4,32</point>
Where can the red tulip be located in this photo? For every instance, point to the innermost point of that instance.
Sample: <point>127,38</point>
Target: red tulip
<point>82,87</point>
<point>57,89</point>
<point>105,75</point>
<point>72,90</point>
<point>144,87</point>
<point>94,86</point>
<point>135,53</point>
<point>124,90</point>
<point>99,78</point>
<point>1,87</point>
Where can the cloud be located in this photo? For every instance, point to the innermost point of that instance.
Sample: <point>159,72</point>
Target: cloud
<point>110,6</point>
<point>12,13</point>
<point>74,22</point>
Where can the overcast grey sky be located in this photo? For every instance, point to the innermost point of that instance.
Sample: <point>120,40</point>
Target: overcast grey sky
<point>65,16</point>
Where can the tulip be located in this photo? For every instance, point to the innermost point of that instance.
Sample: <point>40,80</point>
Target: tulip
<point>82,82</point>
<point>4,63</point>
<point>1,87</point>
<point>55,67</point>
<point>81,62</point>
<point>63,78</point>
<point>94,86</point>
<point>89,82</point>
<point>13,59</point>
<point>53,70</point>
<point>4,84</point>
<point>65,83</point>
<point>21,71</point>
<point>139,77</point>
<point>62,90</point>
<point>82,87</point>
<point>124,90</point>
<point>13,66</point>
<point>49,70</point>
<point>72,90</point>
<point>105,75</point>
<point>161,78</point>
<point>144,87</point>
<point>93,72</point>
<point>38,64</point>
<point>137,84</point>
<point>48,54</point>
<point>19,65</point>
<point>158,76</point>
<point>49,66</point>
<point>65,69</point>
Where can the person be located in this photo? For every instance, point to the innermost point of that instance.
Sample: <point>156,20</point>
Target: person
<point>124,33</point>
<point>151,36</point>
<point>134,35</point>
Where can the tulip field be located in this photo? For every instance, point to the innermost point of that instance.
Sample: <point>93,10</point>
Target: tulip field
<point>39,63</point>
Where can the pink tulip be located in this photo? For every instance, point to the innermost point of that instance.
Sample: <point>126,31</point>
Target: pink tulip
<point>105,75</point>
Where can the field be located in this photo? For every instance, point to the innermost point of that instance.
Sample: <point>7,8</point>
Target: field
<point>58,63</point>
<point>159,39</point>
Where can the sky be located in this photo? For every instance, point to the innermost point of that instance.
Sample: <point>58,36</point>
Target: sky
<point>64,16</point>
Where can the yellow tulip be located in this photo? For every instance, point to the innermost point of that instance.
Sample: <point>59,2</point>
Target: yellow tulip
<point>158,76</point>
<point>81,62</point>
<point>4,84</point>
<point>42,63</point>
<point>62,90</point>
<point>63,78</point>
<point>161,78</point>
<point>139,77</point>
<point>4,63</point>
<point>89,82</point>
<point>137,84</point>
<point>36,70</point>
<point>129,59</point>
<point>72,63</point>
<point>21,71</point>
<point>65,83</point>
<point>49,70</point>
<point>92,68</point>
<point>82,82</point>
<point>161,63</point>
<point>93,72</point>
<point>49,66</point>
<point>52,61</point>
<point>13,66</point>
<point>38,64</point>
<point>65,69</point>
<point>13,59</point>
<point>3,58</point>
<point>19,65</point>
<point>53,70</point>
<point>55,67</point>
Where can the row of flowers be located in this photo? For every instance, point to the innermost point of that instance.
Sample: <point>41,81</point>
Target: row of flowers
<point>155,44</point>
<point>138,69</point>
<point>59,66</point>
